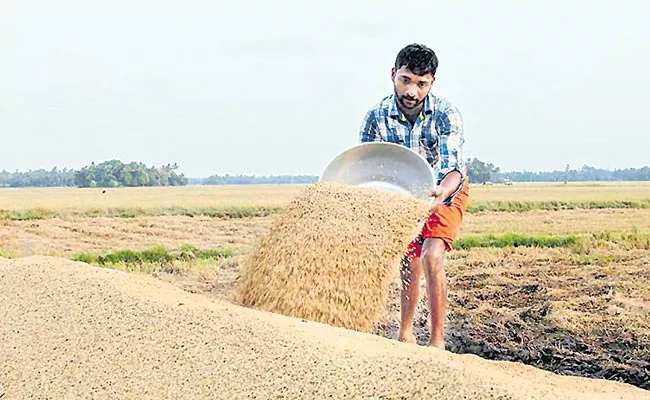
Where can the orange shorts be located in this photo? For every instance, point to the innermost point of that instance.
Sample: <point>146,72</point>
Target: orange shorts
<point>444,223</point>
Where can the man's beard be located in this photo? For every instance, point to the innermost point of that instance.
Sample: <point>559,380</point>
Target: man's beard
<point>401,99</point>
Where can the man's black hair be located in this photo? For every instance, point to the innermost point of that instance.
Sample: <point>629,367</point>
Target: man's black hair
<point>417,58</point>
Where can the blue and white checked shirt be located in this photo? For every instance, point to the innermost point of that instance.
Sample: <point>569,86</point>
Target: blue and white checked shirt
<point>437,134</point>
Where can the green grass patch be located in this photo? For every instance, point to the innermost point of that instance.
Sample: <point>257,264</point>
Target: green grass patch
<point>158,255</point>
<point>636,240</point>
<point>214,212</point>
<point>6,254</point>
<point>25,215</point>
<point>632,240</point>
<point>516,206</point>
<point>228,212</point>
<point>515,240</point>
<point>581,245</point>
<point>189,252</point>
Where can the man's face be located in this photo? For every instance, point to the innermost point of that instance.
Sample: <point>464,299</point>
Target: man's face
<point>411,89</point>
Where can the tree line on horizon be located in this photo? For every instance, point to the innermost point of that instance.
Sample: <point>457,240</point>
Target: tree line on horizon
<point>109,174</point>
<point>478,171</point>
<point>481,172</point>
<point>115,173</point>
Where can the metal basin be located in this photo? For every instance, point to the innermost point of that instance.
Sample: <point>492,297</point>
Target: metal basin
<point>383,165</point>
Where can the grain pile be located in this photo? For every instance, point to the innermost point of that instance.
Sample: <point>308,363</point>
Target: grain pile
<point>71,331</point>
<point>330,257</point>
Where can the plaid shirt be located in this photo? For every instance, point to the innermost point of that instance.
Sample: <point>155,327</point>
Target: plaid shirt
<point>437,134</point>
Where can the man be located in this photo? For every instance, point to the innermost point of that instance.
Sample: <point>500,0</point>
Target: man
<point>414,117</point>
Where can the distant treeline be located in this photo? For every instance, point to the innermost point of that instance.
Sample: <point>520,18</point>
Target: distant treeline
<point>480,172</point>
<point>112,173</point>
<point>585,174</point>
<point>115,173</point>
<point>37,178</point>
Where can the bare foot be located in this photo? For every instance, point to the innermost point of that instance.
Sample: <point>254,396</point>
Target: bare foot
<point>438,344</point>
<point>406,338</point>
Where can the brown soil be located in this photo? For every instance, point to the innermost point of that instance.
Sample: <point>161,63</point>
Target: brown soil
<point>72,331</point>
<point>538,308</point>
<point>330,257</point>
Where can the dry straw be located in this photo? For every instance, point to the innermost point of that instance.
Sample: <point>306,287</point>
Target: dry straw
<point>331,256</point>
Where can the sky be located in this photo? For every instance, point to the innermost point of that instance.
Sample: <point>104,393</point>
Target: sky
<point>281,87</point>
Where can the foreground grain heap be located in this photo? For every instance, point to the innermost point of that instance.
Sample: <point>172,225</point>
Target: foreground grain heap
<point>70,331</point>
<point>330,257</point>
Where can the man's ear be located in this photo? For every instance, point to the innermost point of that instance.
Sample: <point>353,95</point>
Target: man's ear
<point>392,74</point>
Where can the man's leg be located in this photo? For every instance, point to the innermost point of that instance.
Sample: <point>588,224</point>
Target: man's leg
<point>411,272</point>
<point>433,253</point>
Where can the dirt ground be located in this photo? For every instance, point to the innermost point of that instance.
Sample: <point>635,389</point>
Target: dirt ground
<point>73,331</point>
<point>543,309</point>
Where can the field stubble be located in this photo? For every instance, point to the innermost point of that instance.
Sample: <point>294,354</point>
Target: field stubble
<point>65,237</point>
<point>548,308</point>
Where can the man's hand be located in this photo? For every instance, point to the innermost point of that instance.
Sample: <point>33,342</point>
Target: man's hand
<point>447,186</point>
<point>437,197</point>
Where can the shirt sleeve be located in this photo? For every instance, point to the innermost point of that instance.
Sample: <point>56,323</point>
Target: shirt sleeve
<point>452,138</point>
<point>369,131</point>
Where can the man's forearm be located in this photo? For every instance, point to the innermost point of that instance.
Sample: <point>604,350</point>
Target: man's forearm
<point>450,183</point>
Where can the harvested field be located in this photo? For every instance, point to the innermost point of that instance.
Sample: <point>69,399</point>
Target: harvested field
<point>573,192</point>
<point>331,256</point>
<point>72,331</point>
<point>574,315</point>
<point>558,222</point>
<point>146,198</point>
<point>261,200</point>
<point>579,310</point>
<point>66,237</point>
